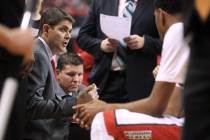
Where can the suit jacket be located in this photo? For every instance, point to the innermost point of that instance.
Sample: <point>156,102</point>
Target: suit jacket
<point>46,100</point>
<point>140,63</point>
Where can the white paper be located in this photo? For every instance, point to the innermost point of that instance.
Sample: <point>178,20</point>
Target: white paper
<point>115,27</point>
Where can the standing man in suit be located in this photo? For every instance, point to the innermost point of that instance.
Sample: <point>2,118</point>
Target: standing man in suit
<point>46,100</point>
<point>132,80</point>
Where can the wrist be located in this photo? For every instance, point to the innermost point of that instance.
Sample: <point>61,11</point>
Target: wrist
<point>108,107</point>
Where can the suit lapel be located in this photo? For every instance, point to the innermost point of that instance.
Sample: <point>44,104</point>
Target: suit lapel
<point>139,11</point>
<point>44,51</point>
<point>111,7</point>
<point>43,48</point>
<point>115,7</point>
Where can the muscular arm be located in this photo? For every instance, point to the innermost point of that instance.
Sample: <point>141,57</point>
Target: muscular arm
<point>174,107</point>
<point>154,105</point>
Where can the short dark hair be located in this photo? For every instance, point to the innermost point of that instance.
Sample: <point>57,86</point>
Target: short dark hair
<point>69,59</point>
<point>52,17</point>
<point>170,6</point>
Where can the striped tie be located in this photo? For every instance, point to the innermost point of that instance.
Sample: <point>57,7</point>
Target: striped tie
<point>129,9</point>
<point>118,62</point>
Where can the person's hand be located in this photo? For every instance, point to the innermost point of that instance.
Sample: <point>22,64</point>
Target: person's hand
<point>85,95</point>
<point>134,42</point>
<point>109,45</point>
<point>19,42</point>
<point>85,113</point>
<point>93,92</point>
<point>155,71</point>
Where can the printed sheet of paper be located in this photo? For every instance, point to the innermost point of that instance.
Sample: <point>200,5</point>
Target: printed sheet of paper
<point>115,27</point>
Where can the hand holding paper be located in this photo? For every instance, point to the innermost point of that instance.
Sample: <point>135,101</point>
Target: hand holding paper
<point>109,45</point>
<point>134,42</point>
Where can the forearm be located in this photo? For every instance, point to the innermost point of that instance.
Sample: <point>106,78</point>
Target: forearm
<point>16,41</point>
<point>3,36</point>
<point>45,109</point>
<point>140,106</point>
<point>154,105</point>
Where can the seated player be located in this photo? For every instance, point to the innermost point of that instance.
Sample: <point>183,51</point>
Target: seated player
<point>162,107</point>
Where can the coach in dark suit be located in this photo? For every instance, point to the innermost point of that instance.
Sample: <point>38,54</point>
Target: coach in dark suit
<point>136,80</point>
<point>46,100</point>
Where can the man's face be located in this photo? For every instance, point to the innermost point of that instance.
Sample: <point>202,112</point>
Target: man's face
<point>59,36</point>
<point>70,77</point>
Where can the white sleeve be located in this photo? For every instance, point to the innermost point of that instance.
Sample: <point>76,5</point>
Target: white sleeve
<point>98,129</point>
<point>174,58</point>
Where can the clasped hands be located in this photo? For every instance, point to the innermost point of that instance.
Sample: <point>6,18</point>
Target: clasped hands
<point>87,107</point>
<point>109,45</point>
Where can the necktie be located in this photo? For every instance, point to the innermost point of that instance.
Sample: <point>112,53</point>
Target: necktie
<point>54,68</point>
<point>129,9</point>
<point>118,62</point>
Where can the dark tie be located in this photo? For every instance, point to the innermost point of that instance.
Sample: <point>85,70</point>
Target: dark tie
<point>54,68</point>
